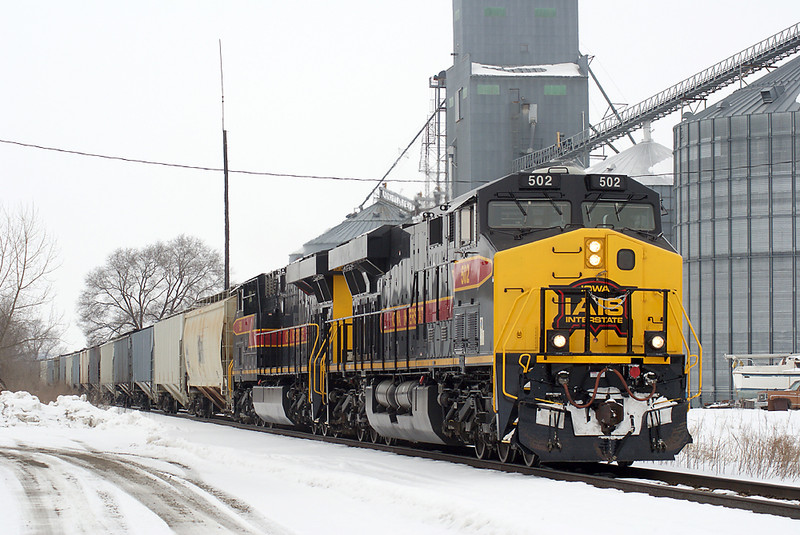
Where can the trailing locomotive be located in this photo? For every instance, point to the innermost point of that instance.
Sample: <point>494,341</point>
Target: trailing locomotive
<point>539,314</point>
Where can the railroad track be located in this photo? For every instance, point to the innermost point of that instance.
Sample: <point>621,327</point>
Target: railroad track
<point>765,498</point>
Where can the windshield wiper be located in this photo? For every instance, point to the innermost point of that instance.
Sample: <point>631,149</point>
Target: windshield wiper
<point>555,206</point>
<point>648,234</point>
<point>525,232</point>
<point>519,205</point>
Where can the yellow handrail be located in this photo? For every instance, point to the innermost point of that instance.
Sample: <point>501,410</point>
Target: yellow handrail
<point>504,341</point>
<point>230,379</point>
<point>689,355</point>
<point>313,366</point>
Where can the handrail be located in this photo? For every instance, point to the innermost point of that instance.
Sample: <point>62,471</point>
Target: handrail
<point>230,379</point>
<point>332,336</point>
<point>312,366</point>
<point>689,355</point>
<point>527,294</point>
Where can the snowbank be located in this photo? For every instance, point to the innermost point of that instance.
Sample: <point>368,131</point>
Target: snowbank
<point>22,408</point>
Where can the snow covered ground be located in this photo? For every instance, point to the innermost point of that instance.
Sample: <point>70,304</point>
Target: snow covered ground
<point>68,467</point>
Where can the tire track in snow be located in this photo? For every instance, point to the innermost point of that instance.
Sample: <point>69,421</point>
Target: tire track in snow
<point>52,483</point>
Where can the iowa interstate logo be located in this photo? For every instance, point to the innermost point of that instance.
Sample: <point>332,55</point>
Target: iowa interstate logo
<point>608,307</point>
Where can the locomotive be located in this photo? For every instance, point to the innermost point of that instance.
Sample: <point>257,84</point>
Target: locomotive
<point>538,315</point>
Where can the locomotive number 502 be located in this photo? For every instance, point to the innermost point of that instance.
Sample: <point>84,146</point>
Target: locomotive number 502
<point>609,182</point>
<point>540,180</point>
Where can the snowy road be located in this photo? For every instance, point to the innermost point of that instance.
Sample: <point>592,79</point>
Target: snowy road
<point>74,469</point>
<point>94,492</point>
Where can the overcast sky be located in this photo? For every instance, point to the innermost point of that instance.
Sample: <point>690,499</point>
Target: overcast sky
<point>312,87</point>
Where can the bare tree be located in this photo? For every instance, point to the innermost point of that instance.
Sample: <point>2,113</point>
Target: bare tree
<point>27,259</point>
<point>137,287</point>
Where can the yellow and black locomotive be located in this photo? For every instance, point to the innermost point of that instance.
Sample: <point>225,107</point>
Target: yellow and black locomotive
<point>539,314</point>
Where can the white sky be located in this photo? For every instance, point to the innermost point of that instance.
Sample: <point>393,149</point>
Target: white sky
<point>313,88</point>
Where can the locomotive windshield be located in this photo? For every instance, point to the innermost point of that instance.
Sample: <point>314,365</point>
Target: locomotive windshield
<point>529,213</point>
<point>616,214</point>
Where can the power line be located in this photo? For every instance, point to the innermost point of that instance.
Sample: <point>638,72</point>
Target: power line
<point>325,177</point>
<point>196,167</point>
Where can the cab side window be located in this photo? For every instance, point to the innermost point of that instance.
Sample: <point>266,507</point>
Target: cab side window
<point>467,225</point>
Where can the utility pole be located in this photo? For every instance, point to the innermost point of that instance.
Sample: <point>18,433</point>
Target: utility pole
<point>225,173</point>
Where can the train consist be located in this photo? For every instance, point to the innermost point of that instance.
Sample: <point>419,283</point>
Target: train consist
<point>540,315</point>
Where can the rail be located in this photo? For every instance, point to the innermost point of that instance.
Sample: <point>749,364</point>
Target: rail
<point>696,87</point>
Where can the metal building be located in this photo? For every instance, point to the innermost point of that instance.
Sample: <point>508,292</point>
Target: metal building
<point>518,84</point>
<point>738,227</point>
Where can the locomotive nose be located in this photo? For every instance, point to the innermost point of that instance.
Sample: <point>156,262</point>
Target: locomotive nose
<point>609,414</point>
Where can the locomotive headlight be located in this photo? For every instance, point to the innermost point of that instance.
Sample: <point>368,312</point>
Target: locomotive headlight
<point>594,246</point>
<point>595,260</point>
<point>655,342</point>
<point>559,341</point>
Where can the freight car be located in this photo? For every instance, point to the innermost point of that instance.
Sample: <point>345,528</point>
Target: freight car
<point>539,314</point>
<point>175,364</point>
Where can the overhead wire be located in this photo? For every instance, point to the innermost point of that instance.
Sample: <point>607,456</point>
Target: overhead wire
<point>324,177</point>
<point>196,167</point>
